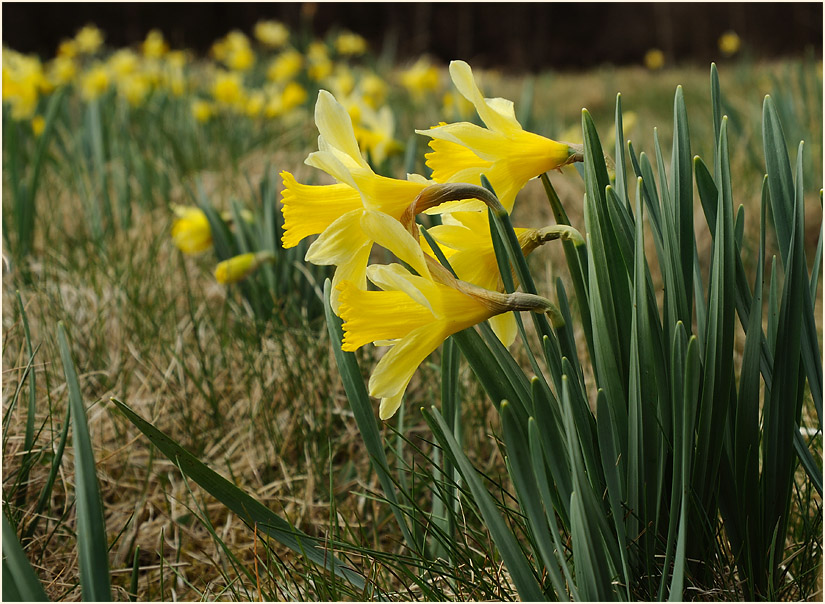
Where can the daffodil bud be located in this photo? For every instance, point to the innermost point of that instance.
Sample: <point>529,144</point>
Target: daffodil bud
<point>240,267</point>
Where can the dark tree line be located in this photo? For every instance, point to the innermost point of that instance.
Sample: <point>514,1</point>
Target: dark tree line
<point>520,36</point>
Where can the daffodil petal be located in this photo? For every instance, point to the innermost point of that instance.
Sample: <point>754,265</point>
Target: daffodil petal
<point>462,76</point>
<point>396,368</point>
<point>486,144</point>
<point>394,277</point>
<point>377,316</point>
<point>389,233</point>
<point>390,405</point>
<point>332,165</point>
<point>339,242</point>
<point>354,270</point>
<point>335,125</point>
<point>503,107</point>
<point>505,327</point>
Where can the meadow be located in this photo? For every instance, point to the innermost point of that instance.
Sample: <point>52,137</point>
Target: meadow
<point>130,175</point>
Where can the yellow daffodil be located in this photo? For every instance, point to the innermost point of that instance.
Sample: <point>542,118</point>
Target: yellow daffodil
<point>320,65</point>
<point>134,88</point>
<point>465,240</point>
<point>729,43</point>
<point>23,81</point>
<point>227,88</point>
<point>124,62</point>
<point>375,133</point>
<point>88,40</point>
<point>271,33</point>
<point>504,152</point>
<point>341,82</point>
<point>282,102</point>
<point>361,209</point>
<point>202,110</point>
<point>255,104</point>
<point>177,59</point>
<point>456,105</point>
<point>351,44</point>
<point>373,90</point>
<point>240,267</point>
<point>285,66</point>
<point>191,232</point>
<point>654,59</point>
<point>38,125</point>
<point>94,82</point>
<point>234,51</point>
<point>62,70</point>
<point>414,315</point>
<point>154,46</point>
<point>420,79</point>
<point>67,49</point>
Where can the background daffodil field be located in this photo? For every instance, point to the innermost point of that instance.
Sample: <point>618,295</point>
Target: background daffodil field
<point>309,313</point>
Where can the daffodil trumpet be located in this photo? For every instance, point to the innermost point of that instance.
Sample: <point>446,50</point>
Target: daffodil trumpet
<point>413,315</point>
<point>503,151</point>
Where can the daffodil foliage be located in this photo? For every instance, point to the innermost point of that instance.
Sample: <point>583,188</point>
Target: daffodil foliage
<point>640,444</point>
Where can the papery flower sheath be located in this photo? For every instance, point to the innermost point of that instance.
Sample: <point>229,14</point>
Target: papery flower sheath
<point>414,315</point>
<point>464,239</point>
<point>504,152</point>
<point>361,209</point>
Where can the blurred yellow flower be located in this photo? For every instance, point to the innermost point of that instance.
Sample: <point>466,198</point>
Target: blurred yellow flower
<point>241,59</point>
<point>154,46</point>
<point>123,62</point>
<point>413,315</point>
<point>457,106</point>
<point>349,43</point>
<point>176,59</point>
<point>240,267</point>
<point>654,59</point>
<point>62,70</point>
<point>320,65</point>
<point>255,104</point>
<point>342,81</point>
<point>375,133</point>
<point>67,48</point>
<point>23,81</point>
<point>227,88</point>
<point>420,79</point>
<point>373,90</point>
<point>191,233</point>
<point>88,40</point>
<point>729,43</point>
<point>285,66</point>
<point>293,96</point>
<point>134,88</point>
<point>94,82</point>
<point>234,51</point>
<point>504,152</point>
<point>38,125</point>
<point>271,33</point>
<point>202,110</point>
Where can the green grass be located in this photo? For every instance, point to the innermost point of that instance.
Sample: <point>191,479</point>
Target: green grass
<point>261,402</point>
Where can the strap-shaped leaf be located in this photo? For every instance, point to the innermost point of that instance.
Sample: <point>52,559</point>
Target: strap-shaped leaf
<point>248,509</point>
<point>521,571</point>
<point>92,546</point>
<point>20,582</point>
